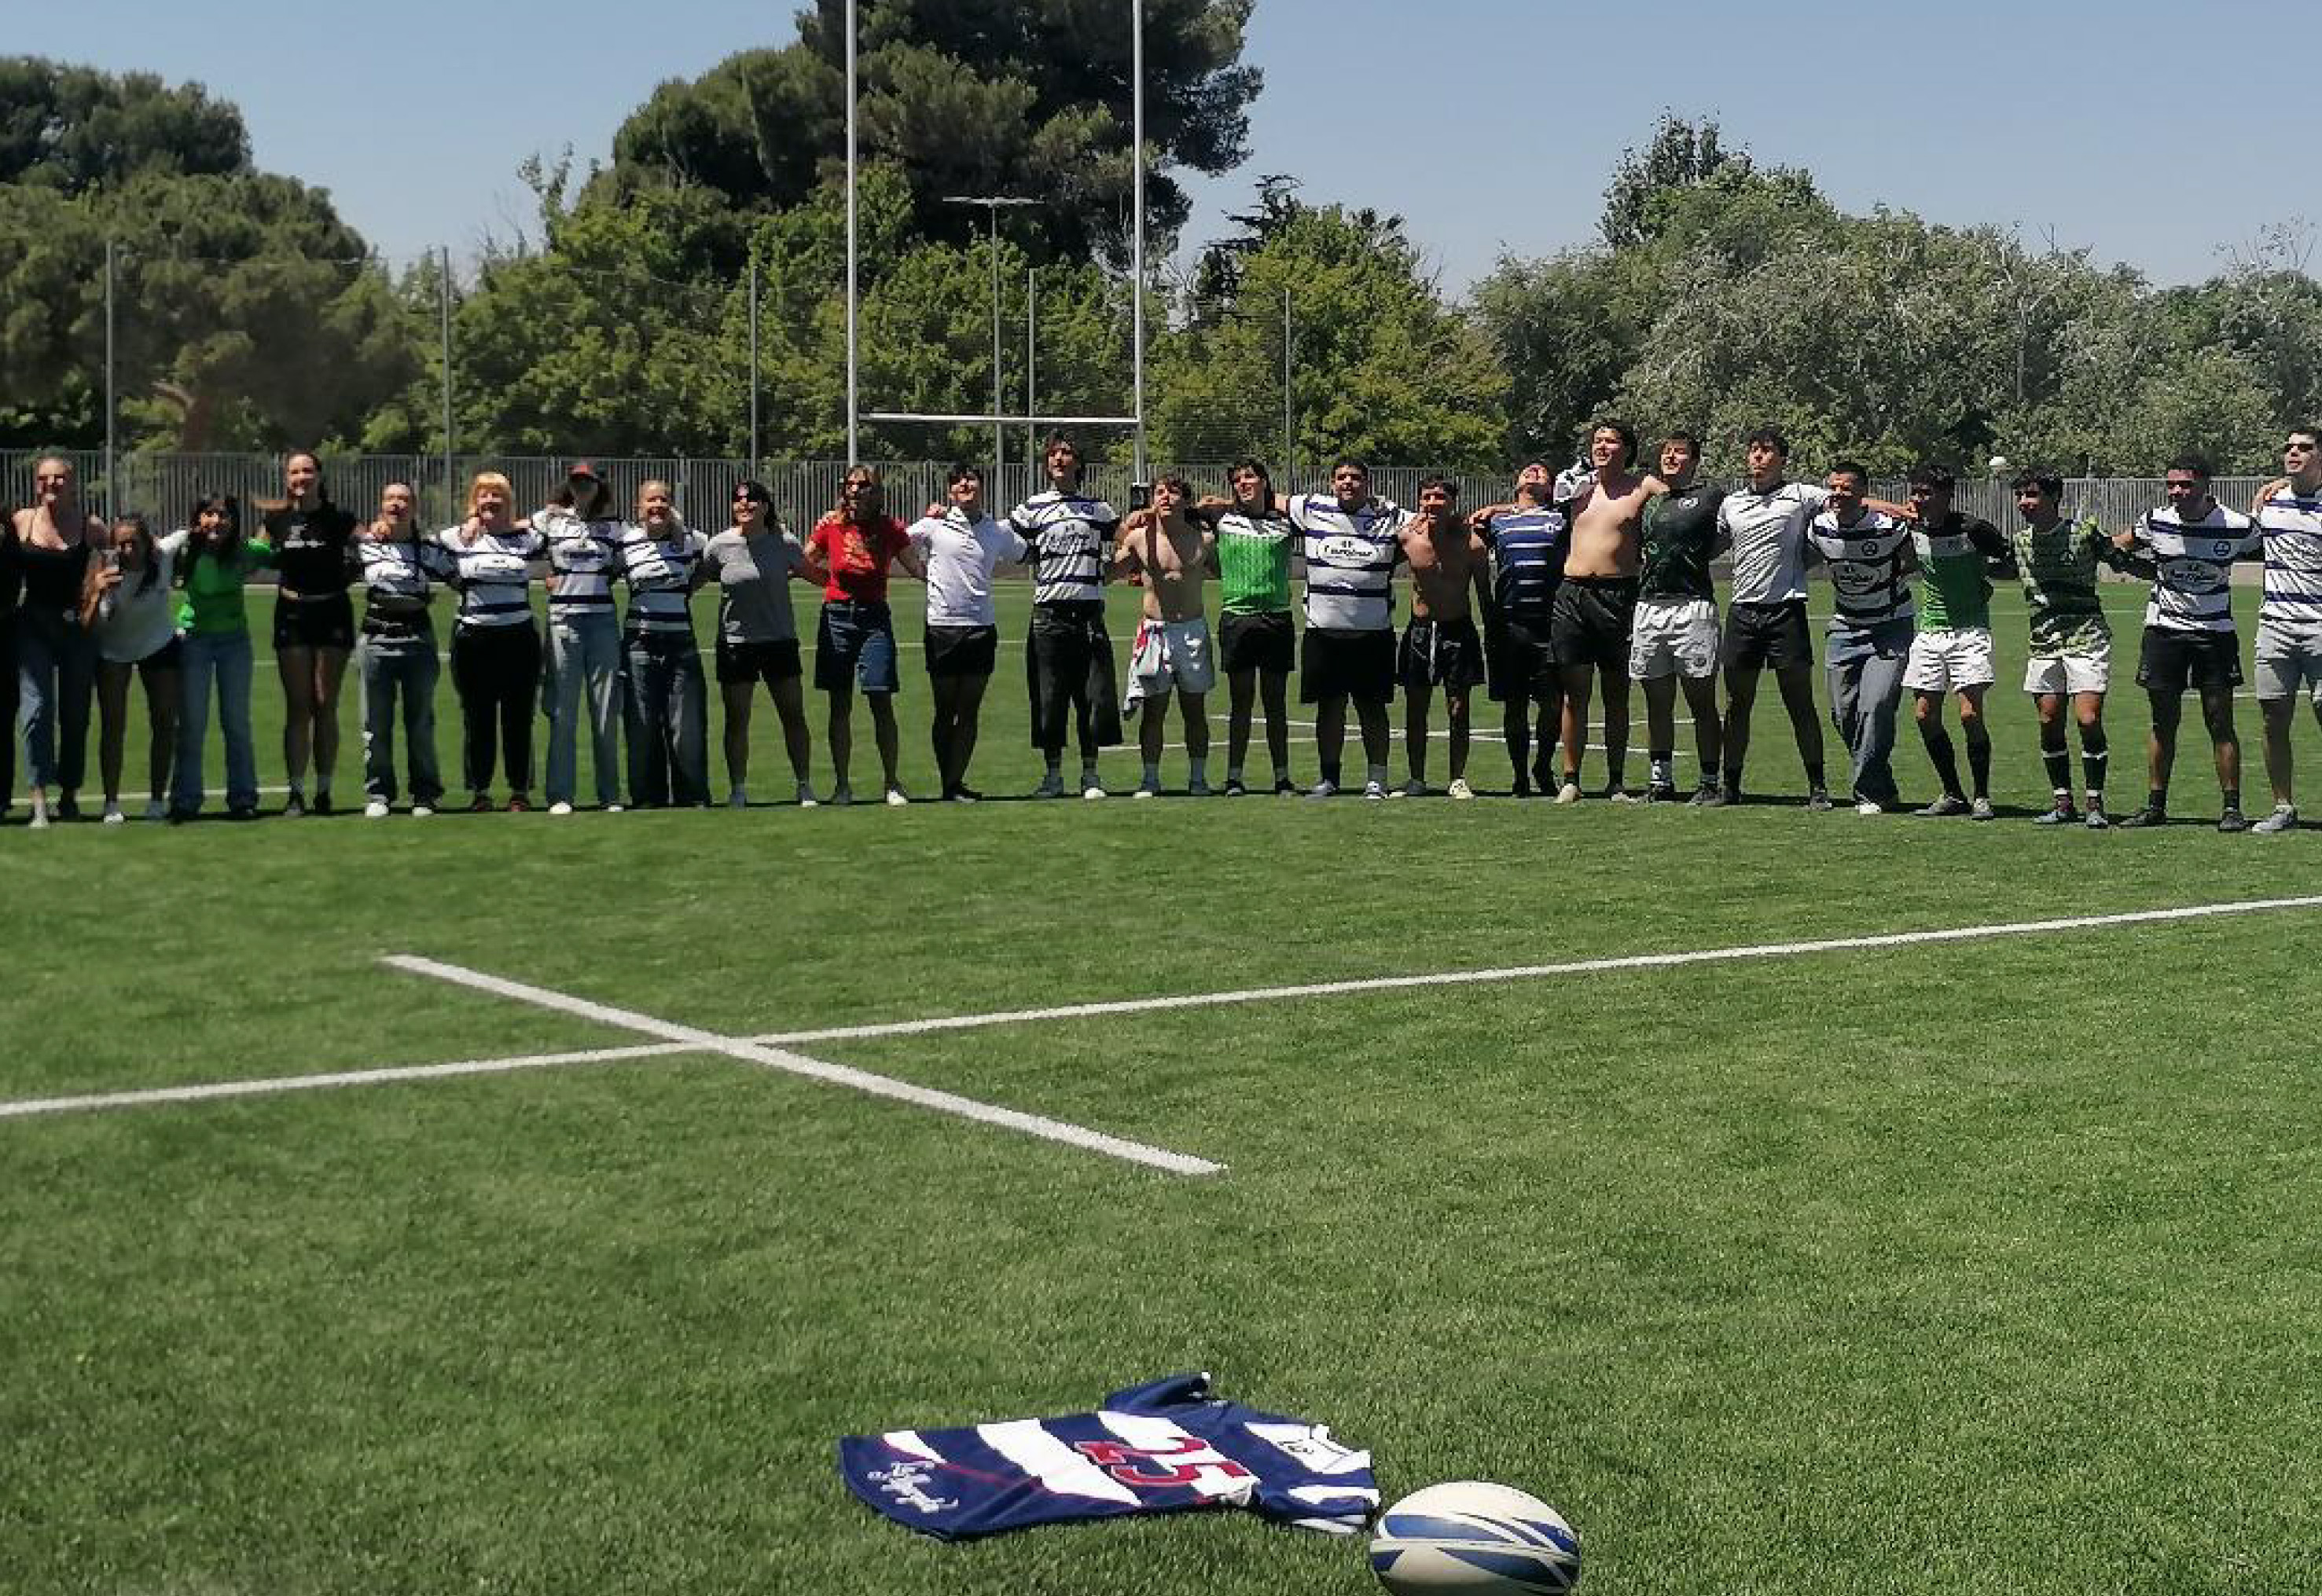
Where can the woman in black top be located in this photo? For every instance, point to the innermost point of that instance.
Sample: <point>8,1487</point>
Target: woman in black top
<point>12,589</point>
<point>56,654</point>
<point>313,625</point>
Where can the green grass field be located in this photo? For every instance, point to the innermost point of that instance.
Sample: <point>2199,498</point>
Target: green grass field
<point>1984,1266</point>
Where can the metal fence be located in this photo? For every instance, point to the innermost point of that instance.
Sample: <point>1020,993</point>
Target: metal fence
<point>165,486</point>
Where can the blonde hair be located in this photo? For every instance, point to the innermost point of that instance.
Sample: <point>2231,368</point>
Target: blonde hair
<point>492,481</point>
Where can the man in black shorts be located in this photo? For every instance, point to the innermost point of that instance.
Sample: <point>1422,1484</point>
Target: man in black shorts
<point>1352,544</point>
<point>1441,647</point>
<point>1527,540</point>
<point>1596,603</point>
<point>1766,522</point>
<point>1068,657</point>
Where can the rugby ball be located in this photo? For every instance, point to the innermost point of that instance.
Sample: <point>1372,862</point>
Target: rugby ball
<point>1472,1536</point>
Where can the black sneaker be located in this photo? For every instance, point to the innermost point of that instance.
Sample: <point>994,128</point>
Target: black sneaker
<point>2233,820</point>
<point>321,806</point>
<point>1717,798</point>
<point>1234,789</point>
<point>295,805</point>
<point>2151,814</point>
<point>1283,787</point>
<point>1521,788</point>
<point>1818,801</point>
<point>241,812</point>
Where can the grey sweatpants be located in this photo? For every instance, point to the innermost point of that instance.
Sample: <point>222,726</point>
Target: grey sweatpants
<point>1866,665</point>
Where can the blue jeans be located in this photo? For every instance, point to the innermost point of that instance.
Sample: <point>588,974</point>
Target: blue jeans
<point>55,672</point>
<point>668,722</point>
<point>224,656</point>
<point>405,668</point>
<point>1866,667</point>
<point>584,652</point>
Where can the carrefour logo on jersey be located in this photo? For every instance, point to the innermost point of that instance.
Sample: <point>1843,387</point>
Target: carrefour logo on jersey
<point>1344,550</point>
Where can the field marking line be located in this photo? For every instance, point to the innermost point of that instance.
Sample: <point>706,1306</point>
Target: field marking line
<point>692,1039</point>
<point>1453,977</point>
<point>209,1091</point>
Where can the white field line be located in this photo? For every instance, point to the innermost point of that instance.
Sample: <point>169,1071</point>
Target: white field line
<point>1454,978</point>
<point>691,1038</point>
<point>203,1093</point>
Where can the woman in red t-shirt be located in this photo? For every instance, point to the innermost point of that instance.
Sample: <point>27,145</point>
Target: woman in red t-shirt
<point>849,553</point>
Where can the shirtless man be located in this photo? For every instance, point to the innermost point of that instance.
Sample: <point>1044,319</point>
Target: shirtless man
<point>1172,652</point>
<point>1441,647</point>
<point>1596,603</point>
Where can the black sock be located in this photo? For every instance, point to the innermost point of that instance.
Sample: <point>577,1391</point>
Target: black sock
<point>2157,799</point>
<point>1733,777</point>
<point>2233,798</point>
<point>1979,766</point>
<point>2095,757</point>
<point>1815,782</point>
<point>1941,755</point>
<point>2059,762</point>
<point>1330,773</point>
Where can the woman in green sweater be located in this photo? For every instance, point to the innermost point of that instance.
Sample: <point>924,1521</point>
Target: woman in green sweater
<point>214,633</point>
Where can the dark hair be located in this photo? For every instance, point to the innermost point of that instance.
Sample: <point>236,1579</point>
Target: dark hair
<point>2047,482</point>
<point>1247,464</point>
<point>1769,438</point>
<point>1172,479</point>
<point>225,505</point>
<point>599,506</point>
<point>1927,474</point>
<point>150,571</point>
<point>1344,460</point>
<point>2193,463</point>
<point>856,474</point>
<point>1059,440</point>
<point>1429,484</point>
<point>757,492</point>
<point>961,472</point>
<point>1851,467</point>
<point>1622,430</point>
<point>321,488</point>
<point>2314,432</point>
<point>1692,441</point>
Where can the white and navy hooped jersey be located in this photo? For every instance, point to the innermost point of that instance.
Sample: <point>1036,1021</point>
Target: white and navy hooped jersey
<point>1071,539</point>
<point>661,574</point>
<point>1769,534</point>
<point>1157,1448</point>
<point>1871,565</point>
<point>1350,560</point>
<point>583,557</point>
<point>1527,551</point>
<point>2291,527</point>
<point>2193,566</point>
<point>493,575</point>
<point>399,578</point>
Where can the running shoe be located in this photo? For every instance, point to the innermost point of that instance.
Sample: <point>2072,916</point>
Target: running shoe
<point>1944,807</point>
<point>376,809</point>
<point>2283,818</point>
<point>1460,790</point>
<point>2233,820</point>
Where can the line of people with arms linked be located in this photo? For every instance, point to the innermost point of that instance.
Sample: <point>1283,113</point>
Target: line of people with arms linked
<point>1583,583</point>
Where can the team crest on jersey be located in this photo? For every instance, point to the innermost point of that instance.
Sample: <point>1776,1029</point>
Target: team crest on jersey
<point>907,1482</point>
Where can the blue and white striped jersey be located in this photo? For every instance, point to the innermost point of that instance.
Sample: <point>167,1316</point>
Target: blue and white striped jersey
<point>399,578</point>
<point>1527,551</point>
<point>583,556</point>
<point>1071,539</point>
<point>1350,560</point>
<point>1871,565</point>
<point>2291,527</point>
<point>2192,566</point>
<point>493,574</point>
<point>1157,1448</point>
<point>661,574</point>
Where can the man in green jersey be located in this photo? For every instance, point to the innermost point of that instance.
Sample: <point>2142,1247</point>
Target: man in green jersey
<point>1675,637</point>
<point>1952,651</point>
<point>1258,643</point>
<point>2072,643</point>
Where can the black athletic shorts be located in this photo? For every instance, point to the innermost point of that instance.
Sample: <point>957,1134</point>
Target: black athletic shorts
<point>1068,666</point>
<point>962,651</point>
<point>1258,643</point>
<point>1769,634</point>
<point>2172,660</point>
<point>1524,665</point>
<point>1592,621</point>
<point>1446,654</point>
<point>772,663</point>
<point>1337,664</point>
<point>324,621</point>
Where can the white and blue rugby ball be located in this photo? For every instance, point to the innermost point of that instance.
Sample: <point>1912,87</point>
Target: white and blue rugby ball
<point>1472,1536</point>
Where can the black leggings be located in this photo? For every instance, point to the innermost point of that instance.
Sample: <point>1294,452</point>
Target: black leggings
<point>497,671</point>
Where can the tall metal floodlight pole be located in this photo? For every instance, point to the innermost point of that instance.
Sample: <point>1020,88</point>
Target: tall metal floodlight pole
<point>1032,378</point>
<point>1136,204</point>
<point>754,361</point>
<point>1289,400</point>
<point>994,202</point>
<point>451,445</point>
<point>854,450</point>
<point>112,410</point>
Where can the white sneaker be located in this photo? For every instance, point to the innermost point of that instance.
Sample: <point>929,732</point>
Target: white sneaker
<point>422,811</point>
<point>1869,806</point>
<point>112,814</point>
<point>155,811</point>
<point>40,820</point>
<point>897,798</point>
<point>1569,793</point>
<point>1375,791</point>
<point>1460,789</point>
<point>806,799</point>
<point>612,808</point>
<point>1414,787</point>
<point>1052,785</point>
<point>1146,789</point>
<point>842,795</point>
<point>1620,795</point>
<point>1325,788</point>
<point>376,809</point>
<point>2283,818</point>
<point>560,808</point>
<point>739,799</point>
<point>1093,792</point>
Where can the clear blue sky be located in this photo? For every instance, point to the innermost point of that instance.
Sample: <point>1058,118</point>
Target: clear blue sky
<point>1490,125</point>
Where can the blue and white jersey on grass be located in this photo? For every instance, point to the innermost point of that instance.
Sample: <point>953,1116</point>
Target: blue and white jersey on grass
<point>1071,539</point>
<point>2193,565</point>
<point>661,575</point>
<point>1350,560</point>
<point>1157,1448</point>
<point>2291,527</point>
<point>1527,551</point>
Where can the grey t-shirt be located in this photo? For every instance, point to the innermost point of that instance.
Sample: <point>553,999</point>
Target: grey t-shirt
<point>752,575</point>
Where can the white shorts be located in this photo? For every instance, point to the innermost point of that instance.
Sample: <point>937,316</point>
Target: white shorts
<point>1171,655</point>
<point>1946,661</point>
<point>2288,659</point>
<point>2090,671</point>
<point>1673,635</point>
